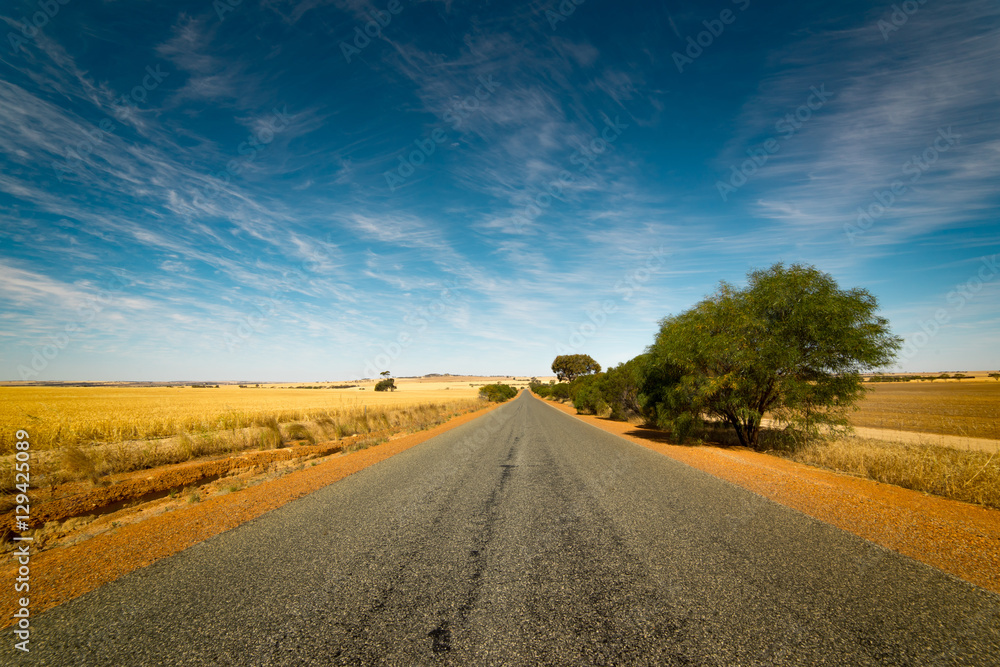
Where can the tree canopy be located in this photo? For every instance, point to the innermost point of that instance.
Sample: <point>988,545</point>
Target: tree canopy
<point>791,343</point>
<point>568,367</point>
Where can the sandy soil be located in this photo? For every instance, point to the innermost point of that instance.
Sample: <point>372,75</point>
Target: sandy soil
<point>961,539</point>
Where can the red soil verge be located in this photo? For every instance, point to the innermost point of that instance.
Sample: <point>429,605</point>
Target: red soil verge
<point>959,538</point>
<point>136,485</point>
<point>63,573</point>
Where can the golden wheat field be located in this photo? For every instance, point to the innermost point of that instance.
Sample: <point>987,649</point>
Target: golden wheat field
<point>969,408</point>
<point>60,417</point>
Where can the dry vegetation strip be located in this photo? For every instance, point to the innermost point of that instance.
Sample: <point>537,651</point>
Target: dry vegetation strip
<point>969,408</point>
<point>969,476</point>
<point>81,500</point>
<point>81,416</point>
<point>93,432</point>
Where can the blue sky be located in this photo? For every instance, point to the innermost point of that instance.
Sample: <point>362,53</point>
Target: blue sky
<point>262,191</point>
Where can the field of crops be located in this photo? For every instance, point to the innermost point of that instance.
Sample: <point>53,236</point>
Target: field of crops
<point>60,417</point>
<point>969,408</point>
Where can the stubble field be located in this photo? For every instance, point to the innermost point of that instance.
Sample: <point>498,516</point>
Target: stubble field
<point>967,408</point>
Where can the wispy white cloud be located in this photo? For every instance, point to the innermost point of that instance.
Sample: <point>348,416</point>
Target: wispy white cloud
<point>890,100</point>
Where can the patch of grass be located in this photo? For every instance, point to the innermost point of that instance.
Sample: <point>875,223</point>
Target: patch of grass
<point>79,464</point>
<point>968,476</point>
<point>195,497</point>
<point>300,432</point>
<point>364,443</point>
<point>186,446</point>
<point>327,425</point>
<point>272,434</point>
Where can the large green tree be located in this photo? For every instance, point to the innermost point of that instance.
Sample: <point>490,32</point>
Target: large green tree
<point>792,344</point>
<point>568,367</point>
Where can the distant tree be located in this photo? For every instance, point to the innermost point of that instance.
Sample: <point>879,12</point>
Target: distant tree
<point>386,385</point>
<point>995,376</point>
<point>791,344</point>
<point>568,367</point>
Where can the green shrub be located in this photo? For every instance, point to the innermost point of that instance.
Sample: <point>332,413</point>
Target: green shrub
<point>560,391</point>
<point>589,399</point>
<point>497,393</point>
<point>386,385</point>
<point>540,390</point>
<point>300,432</point>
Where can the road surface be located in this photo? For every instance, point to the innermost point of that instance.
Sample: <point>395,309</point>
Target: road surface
<point>527,537</point>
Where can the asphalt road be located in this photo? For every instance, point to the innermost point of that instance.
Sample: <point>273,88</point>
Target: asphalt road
<point>527,537</point>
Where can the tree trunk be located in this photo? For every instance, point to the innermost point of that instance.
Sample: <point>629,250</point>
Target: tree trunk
<point>753,432</point>
<point>739,428</point>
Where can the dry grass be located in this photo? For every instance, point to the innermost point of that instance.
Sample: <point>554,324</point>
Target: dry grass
<point>968,476</point>
<point>59,417</point>
<point>972,477</point>
<point>140,428</point>
<point>969,408</point>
